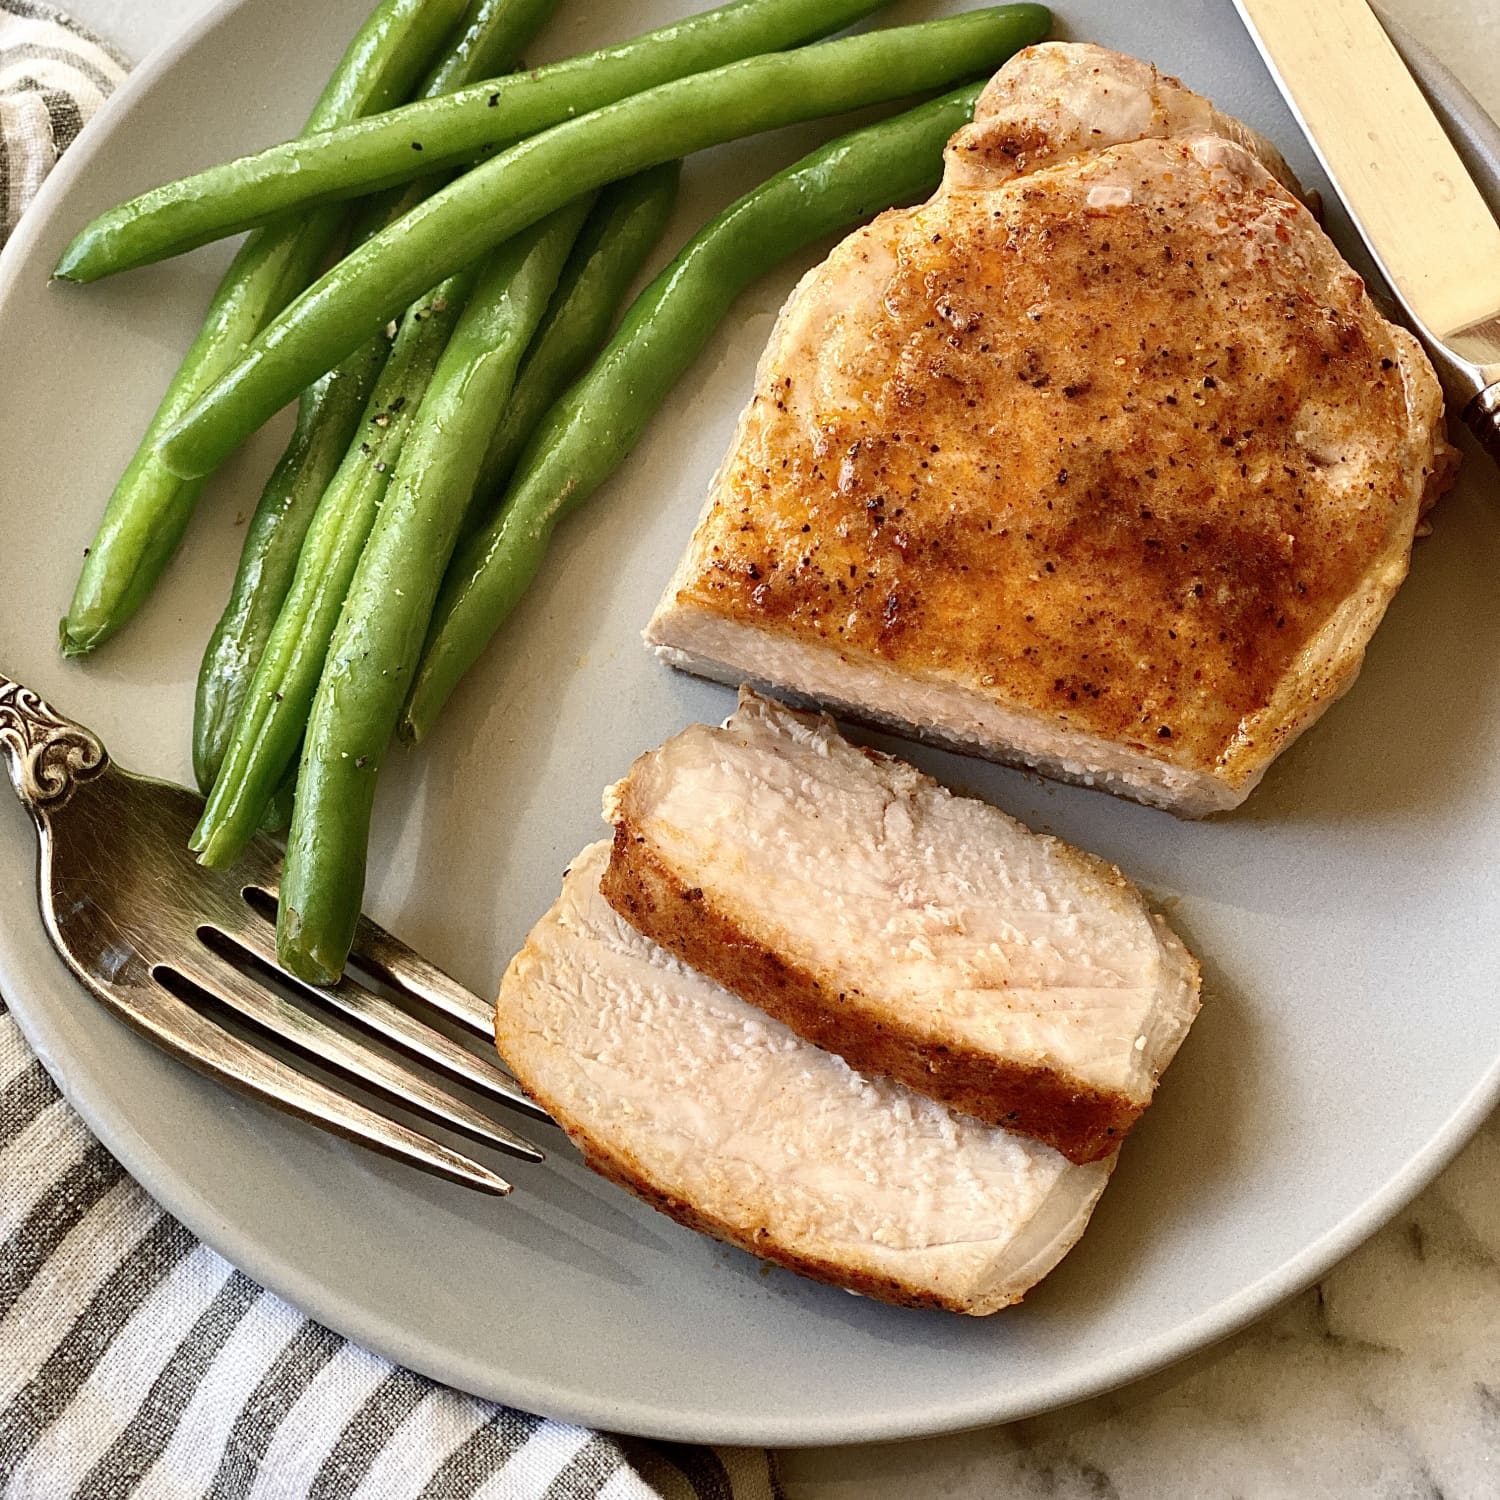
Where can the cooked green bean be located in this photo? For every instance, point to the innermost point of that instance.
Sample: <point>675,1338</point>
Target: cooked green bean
<point>327,418</point>
<point>588,434</point>
<point>380,631</point>
<point>274,714</point>
<point>493,36</point>
<point>151,506</point>
<point>490,41</point>
<point>277,817</point>
<point>621,232</point>
<point>445,133</point>
<point>489,204</point>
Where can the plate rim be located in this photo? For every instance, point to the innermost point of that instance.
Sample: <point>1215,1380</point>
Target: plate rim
<point>386,1336</point>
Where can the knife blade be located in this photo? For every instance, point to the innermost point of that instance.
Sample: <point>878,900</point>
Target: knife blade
<point>1425,222</point>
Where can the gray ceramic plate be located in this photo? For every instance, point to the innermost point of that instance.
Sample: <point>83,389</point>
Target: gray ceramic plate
<point>1349,1037</point>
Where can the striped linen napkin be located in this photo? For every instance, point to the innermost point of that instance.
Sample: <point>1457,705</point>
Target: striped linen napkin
<point>135,1363</point>
<point>53,76</point>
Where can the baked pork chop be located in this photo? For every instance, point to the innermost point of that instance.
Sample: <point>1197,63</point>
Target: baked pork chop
<point>1102,461</point>
<point>719,1116</point>
<point>919,935</point>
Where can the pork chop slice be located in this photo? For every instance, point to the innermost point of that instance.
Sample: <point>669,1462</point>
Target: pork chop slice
<point>1101,462</point>
<point>716,1114</point>
<point>919,935</point>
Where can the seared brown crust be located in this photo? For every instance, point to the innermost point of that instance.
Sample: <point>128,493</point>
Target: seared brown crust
<point>1083,1123</point>
<point>625,1170</point>
<point>1089,458</point>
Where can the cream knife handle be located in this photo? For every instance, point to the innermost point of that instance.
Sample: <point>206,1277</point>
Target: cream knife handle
<point>1483,416</point>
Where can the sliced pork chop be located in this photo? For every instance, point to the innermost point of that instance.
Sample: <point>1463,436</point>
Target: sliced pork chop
<point>1102,461</point>
<point>719,1116</point>
<point>919,935</point>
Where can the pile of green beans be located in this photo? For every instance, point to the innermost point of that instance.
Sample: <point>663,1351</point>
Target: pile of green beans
<point>504,195</point>
<point>490,40</point>
<point>590,432</point>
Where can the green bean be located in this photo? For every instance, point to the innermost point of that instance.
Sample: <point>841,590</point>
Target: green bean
<point>381,65</point>
<point>449,132</point>
<point>489,204</point>
<point>151,506</point>
<point>490,40</point>
<point>621,232</point>
<point>327,418</point>
<point>384,620</point>
<point>588,434</point>
<point>274,713</point>
<point>277,817</point>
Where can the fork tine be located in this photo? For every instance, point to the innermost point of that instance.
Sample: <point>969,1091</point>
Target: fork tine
<point>388,1021</point>
<point>409,972</point>
<point>312,1035</point>
<point>178,1029</point>
<point>406,969</point>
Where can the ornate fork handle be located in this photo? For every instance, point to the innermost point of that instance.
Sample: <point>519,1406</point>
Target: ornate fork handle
<point>46,754</point>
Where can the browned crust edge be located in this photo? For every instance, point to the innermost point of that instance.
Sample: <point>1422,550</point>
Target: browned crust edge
<point>625,1171</point>
<point>1085,1124</point>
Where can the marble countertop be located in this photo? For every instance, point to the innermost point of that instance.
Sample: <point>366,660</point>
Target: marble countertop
<point>1382,1382</point>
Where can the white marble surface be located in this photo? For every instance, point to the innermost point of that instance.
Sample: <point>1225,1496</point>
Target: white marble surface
<point>1382,1383</point>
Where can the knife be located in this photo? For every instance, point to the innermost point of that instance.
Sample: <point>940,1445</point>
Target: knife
<point>1426,224</point>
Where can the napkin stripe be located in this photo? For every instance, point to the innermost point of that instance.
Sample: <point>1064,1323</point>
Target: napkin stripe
<point>301,1358</point>
<point>404,1466</point>
<point>33,10</point>
<point>294,1454</point>
<point>34,18</point>
<point>48,1308</point>
<point>704,1470</point>
<point>365,1433</point>
<point>51,1137</point>
<point>71,62</point>
<point>56,1383</point>
<point>53,1218</point>
<point>479,1455</point>
<point>66,119</point>
<point>191,1459</point>
<point>145,1437</point>
<point>11,145</point>
<point>25,1097</point>
<point>14,1060</point>
<point>112,1388</point>
<point>53,75</point>
<point>588,1471</point>
<point>538,1465</point>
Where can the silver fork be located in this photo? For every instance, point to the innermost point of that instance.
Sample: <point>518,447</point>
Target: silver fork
<point>158,938</point>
